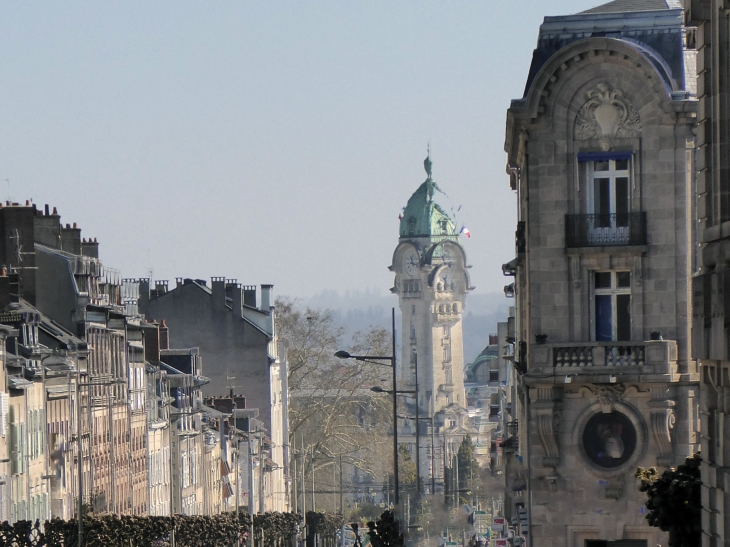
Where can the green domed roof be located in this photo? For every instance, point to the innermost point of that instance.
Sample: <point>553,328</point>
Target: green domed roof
<point>422,217</point>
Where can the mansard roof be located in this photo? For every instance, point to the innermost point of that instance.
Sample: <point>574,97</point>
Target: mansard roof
<point>623,6</point>
<point>654,28</point>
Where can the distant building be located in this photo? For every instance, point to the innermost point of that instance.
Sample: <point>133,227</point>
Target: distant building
<point>239,342</point>
<point>600,152</point>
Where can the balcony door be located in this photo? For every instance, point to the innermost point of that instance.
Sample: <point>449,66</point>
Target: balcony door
<point>609,181</point>
<point>608,197</point>
<point>611,193</point>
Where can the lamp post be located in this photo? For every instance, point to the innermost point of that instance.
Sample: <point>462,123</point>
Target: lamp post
<point>373,359</point>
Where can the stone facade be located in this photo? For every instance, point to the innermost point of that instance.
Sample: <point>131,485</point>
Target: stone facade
<point>711,283</point>
<point>432,281</point>
<point>599,153</point>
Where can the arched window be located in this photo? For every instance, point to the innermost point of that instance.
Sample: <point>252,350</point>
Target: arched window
<point>455,308</point>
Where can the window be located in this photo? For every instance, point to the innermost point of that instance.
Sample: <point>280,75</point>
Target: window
<point>608,192</point>
<point>612,292</point>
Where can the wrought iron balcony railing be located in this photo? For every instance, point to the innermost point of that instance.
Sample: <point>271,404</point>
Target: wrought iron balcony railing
<point>605,230</point>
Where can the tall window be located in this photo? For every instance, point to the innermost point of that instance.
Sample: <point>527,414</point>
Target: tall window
<point>612,292</point>
<point>609,185</point>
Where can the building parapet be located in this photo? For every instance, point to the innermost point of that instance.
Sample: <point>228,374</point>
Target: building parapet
<point>646,358</point>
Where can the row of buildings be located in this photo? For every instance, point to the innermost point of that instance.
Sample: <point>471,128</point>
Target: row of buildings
<point>104,398</point>
<point>618,155</point>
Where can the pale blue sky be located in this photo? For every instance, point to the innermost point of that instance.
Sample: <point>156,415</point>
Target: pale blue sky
<point>273,142</point>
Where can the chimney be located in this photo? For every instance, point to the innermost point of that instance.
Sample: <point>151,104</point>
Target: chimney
<point>151,342</point>
<point>221,404</point>
<point>164,336</point>
<point>493,339</point>
<point>249,295</point>
<point>236,299</point>
<point>239,402</point>
<point>160,288</point>
<point>178,282</point>
<point>218,286</point>
<point>90,248</point>
<point>71,239</point>
<point>266,302</point>
<point>144,294</point>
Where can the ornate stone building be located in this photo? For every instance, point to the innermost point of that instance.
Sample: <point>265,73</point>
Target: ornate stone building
<point>600,152</point>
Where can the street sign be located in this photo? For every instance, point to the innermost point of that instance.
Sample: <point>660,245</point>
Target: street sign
<point>498,523</point>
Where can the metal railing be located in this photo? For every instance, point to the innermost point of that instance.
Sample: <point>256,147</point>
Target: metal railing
<point>605,230</point>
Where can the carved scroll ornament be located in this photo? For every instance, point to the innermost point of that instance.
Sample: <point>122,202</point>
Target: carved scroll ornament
<point>662,422</point>
<point>547,422</point>
<point>606,115</point>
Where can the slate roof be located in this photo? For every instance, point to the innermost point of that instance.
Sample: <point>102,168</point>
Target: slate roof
<point>652,27</point>
<point>623,6</point>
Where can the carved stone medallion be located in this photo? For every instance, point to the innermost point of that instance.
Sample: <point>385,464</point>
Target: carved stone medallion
<point>606,116</point>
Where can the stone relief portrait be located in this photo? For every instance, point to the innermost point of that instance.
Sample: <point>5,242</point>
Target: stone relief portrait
<point>609,440</point>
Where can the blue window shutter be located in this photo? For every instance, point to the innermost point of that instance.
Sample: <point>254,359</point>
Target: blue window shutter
<point>597,156</point>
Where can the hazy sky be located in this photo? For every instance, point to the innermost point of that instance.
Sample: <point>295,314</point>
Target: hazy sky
<point>272,142</point>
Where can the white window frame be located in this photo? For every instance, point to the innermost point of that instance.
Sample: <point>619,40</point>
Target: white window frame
<point>612,174</point>
<point>613,291</point>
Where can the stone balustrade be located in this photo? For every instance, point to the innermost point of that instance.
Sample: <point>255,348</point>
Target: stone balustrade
<point>650,357</point>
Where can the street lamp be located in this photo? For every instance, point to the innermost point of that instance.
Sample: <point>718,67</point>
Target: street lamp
<point>373,359</point>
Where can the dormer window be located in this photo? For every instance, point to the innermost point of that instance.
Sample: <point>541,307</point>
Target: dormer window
<point>444,226</point>
<point>411,226</point>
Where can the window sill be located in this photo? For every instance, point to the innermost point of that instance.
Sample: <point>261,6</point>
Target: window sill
<point>630,250</point>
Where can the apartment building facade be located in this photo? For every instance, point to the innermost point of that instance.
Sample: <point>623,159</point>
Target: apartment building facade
<point>600,151</point>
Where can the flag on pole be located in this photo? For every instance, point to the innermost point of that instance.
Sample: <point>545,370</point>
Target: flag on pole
<point>465,231</point>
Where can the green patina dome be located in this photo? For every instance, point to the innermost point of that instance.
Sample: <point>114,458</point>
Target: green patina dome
<point>422,217</point>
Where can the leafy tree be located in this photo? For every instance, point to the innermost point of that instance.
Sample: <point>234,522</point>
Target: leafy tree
<point>407,475</point>
<point>675,501</point>
<point>468,467</point>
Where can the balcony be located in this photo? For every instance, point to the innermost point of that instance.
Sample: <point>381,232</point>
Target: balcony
<point>608,358</point>
<point>609,230</point>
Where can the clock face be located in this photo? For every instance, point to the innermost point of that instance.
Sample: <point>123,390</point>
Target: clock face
<point>411,262</point>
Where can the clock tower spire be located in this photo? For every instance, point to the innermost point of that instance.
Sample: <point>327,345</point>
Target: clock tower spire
<point>431,282</point>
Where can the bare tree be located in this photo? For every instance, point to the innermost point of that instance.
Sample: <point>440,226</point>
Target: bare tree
<point>333,415</point>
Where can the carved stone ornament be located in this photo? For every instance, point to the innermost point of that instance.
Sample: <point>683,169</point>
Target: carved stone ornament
<point>662,422</point>
<point>547,413</point>
<point>547,426</point>
<point>606,116</point>
<point>607,395</point>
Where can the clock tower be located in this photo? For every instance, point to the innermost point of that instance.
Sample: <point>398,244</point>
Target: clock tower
<point>431,282</point>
